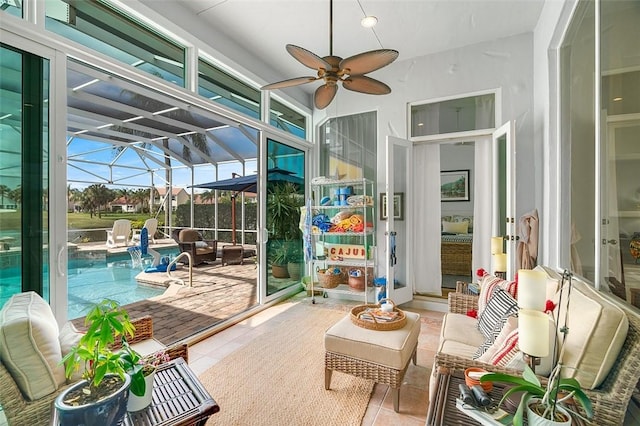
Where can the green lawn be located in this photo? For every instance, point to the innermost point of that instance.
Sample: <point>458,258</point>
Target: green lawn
<point>11,220</point>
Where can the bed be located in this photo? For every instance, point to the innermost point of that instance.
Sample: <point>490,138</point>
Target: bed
<point>455,254</point>
<point>456,244</point>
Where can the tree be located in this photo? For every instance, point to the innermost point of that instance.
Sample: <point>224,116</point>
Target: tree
<point>96,196</point>
<point>208,196</point>
<point>16,195</point>
<point>4,191</point>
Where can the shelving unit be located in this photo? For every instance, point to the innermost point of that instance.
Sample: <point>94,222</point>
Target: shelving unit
<point>346,238</point>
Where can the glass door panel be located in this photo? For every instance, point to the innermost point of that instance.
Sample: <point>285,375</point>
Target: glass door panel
<point>398,235</point>
<point>24,81</point>
<point>285,195</point>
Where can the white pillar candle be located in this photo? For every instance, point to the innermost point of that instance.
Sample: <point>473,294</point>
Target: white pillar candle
<point>496,245</point>
<point>533,332</point>
<point>532,289</point>
<point>500,262</point>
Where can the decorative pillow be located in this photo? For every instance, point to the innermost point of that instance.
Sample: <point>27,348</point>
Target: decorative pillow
<point>69,337</point>
<point>29,345</point>
<point>201,244</point>
<point>488,284</point>
<point>456,227</point>
<point>488,348</point>
<point>501,306</point>
<point>505,351</point>
<point>468,219</point>
<point>597,331</point>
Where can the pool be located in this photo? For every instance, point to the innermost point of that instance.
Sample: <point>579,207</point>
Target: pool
<point>90,281</point>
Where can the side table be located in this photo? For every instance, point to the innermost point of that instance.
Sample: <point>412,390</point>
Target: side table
<point>178,399</point>
<point>443,410</point>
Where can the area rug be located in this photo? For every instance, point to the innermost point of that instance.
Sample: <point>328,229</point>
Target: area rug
<point>278,379</point>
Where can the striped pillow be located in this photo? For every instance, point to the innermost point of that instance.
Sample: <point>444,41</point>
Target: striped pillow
<point>488,285</point>
<point>487,350</point>
<point>501,306</point>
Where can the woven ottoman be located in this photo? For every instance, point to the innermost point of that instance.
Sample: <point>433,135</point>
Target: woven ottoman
<point>381,356</point>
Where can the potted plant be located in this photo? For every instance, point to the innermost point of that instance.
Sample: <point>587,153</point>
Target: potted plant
<point>294,262</point>
<point>278,259</point>
<point>544,404</point>
<point>142,370</point>
<point>101,398</point>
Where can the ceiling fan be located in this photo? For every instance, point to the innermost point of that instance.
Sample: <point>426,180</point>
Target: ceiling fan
<point>333,69</point>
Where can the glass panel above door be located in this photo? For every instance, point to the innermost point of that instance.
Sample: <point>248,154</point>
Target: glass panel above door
<point>454,115</point>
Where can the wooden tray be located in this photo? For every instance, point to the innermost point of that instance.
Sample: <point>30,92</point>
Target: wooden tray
<point>373,324</point>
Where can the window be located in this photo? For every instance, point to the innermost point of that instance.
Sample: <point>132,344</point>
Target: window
<point>223,88</point>
<point>102,28</point>
<point>348,146</point>
<point>454,115</point>
<point>285,118</point>
<point>13,7</point>
<point>602,147</point>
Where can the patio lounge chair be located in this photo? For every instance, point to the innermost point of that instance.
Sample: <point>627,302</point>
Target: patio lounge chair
<point>201,250</point>
<point>119,233</point>
<point>152,227</point>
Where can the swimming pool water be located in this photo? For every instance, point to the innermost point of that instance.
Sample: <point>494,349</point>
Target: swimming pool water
<point>90,281</point>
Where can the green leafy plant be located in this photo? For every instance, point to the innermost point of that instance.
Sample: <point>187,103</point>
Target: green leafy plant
<point>105,322</point>
<point>139,367</point>
<point>278,254</point>
<point>556,391</point>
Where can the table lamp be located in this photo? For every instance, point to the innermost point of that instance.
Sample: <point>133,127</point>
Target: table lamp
<point>500,265</point>
<point>497,245</point>
<point>533,336</point>
<point>532,289</point>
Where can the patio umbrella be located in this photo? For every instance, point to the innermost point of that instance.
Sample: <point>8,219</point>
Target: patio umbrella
<point>249,184</point>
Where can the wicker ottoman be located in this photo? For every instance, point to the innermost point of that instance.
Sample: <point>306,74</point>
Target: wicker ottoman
<point>381,356</point>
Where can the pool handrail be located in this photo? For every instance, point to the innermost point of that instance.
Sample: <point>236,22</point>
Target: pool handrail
<point>175,260</point>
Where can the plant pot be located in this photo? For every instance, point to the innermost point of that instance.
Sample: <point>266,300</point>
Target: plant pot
<point>294,270</point>
<point>106,411</point>
<point>279,271</point>
<point>137,403</point>
<point>534,419</point>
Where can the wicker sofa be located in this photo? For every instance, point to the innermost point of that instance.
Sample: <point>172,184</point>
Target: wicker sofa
<point>611,393</point>
<point>21,410</point>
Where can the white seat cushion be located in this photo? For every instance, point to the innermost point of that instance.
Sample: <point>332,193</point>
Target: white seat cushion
<point>461,328</point>
<point>29,345</point>
<point>597,331</point>
<point>388,348</point>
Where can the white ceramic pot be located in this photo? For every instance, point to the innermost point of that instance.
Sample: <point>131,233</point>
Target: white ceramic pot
<point>535,420</point>
<point>137,403</point>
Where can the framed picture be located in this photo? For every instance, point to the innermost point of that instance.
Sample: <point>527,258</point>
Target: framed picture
<point>454,185</point>
<point>398,206</point>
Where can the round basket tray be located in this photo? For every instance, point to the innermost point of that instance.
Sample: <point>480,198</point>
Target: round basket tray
<point>372,323</point>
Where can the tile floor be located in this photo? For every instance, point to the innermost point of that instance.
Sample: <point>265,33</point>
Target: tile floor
<point>414,390</point>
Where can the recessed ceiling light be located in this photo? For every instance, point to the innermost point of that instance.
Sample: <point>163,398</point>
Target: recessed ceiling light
<point>420,124</point>
<point>369,21</point>
<point>618,99</point>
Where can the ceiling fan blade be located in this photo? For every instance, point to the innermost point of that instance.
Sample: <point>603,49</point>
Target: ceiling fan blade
<point>307,58</point>
<point>365,62</point>
<point>288,83</point>
<point>364,84</point>
<point>324,95</point>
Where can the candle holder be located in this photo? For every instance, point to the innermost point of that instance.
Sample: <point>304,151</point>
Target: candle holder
<point>531,361</point>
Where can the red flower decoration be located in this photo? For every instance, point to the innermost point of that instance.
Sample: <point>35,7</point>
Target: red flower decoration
<point>481,273</point>
<point>549,306</point>
<point>472,313</point>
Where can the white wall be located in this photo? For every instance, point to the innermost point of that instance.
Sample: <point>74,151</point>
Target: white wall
<point>459,157</point>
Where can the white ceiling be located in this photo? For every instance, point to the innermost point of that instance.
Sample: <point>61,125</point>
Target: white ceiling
<point>413,27</point>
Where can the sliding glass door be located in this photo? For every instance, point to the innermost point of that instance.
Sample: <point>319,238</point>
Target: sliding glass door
<point>285,194</point>
<point>24,178</point>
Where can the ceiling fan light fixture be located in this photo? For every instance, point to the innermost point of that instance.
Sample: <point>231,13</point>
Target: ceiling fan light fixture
<point>350,72</point>
<point>369,21</point>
